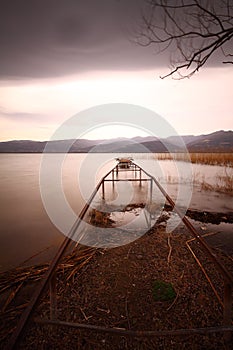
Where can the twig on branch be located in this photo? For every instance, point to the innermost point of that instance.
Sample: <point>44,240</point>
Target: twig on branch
<point>193,30</point>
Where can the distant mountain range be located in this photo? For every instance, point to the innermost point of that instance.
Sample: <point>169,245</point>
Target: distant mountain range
<point>219,141</point>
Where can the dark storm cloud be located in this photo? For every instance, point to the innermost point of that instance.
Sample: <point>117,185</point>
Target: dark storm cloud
<point>59,37</point>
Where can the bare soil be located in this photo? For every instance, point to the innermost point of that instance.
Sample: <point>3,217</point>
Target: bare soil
<point>114,289</point>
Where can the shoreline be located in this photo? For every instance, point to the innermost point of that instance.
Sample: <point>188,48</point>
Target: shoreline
<point>198,216</point>
<point>113,288</point>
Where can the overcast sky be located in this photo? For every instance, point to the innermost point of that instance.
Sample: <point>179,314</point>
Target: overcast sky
<point>58,57</point>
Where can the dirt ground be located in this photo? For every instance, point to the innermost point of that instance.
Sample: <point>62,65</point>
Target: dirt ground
<point>114,289</point>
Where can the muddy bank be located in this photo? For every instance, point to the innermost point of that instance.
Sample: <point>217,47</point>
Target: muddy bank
<point>206,216</point>
<point>115,290</point>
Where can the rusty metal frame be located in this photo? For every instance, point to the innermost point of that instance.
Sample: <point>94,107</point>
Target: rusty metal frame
<point>50,276</point>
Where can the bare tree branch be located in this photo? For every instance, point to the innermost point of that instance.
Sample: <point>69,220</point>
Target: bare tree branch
<point>191,30</point>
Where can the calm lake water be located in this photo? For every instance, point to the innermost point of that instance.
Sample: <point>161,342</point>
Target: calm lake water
<point>26,229</point>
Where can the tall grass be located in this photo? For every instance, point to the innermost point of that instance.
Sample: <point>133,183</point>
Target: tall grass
<point>221,182</point>
<point>224,184</point>
<point>222,159</point>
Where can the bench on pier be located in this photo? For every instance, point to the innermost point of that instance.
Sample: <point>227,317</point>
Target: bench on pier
<point>124,163</point>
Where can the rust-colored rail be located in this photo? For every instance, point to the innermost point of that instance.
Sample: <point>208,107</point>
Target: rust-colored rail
<point>228,280</point>
<point>52,267</point>
<point>50,274</point>
<point>191,228</point>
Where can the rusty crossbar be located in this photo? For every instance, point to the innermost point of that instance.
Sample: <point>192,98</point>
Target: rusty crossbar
<point>50,275</point>
<point>122,180</point>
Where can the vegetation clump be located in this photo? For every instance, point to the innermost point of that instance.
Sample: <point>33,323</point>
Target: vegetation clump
<point>211,158</point>
<point>163,291</point>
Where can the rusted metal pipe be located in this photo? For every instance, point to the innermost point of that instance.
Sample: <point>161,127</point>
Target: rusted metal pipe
<point>48,275</point>
<point>103,192</point>
<point>122,180</point>
<point>127,332</point>
<point>44,281</point>
<point>205,274</point>
<point>225,273</point>
<point>228,280</point>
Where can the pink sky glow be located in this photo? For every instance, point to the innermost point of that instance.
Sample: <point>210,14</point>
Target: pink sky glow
<point>33,109</point>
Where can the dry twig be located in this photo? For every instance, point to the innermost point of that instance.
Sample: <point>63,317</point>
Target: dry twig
<point>170,248</point>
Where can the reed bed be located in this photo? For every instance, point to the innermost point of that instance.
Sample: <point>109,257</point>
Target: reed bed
<point>222,182</point>
<point>222,159</point>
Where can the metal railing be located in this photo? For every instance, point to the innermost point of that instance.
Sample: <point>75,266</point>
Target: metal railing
<point>49,278</point>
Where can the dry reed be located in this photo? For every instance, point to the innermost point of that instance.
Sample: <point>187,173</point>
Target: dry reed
<point>222,159</point>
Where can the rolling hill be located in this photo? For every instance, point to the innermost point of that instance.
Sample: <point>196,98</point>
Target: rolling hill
<point>219,141</point>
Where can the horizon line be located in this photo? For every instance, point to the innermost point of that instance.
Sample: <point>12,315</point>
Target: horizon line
<point>115,138</point>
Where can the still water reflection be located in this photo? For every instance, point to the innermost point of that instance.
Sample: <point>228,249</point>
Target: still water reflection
<point>26,229</point>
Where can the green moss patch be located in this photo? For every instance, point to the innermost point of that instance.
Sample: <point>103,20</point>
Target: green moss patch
<point>163,291</point>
